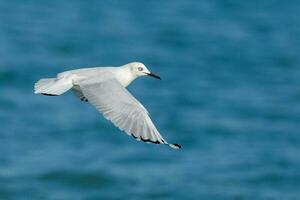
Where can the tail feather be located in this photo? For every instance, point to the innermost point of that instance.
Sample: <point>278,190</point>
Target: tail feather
<point>52,86</point>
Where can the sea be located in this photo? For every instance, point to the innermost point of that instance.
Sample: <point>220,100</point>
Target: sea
<point>229,94</point>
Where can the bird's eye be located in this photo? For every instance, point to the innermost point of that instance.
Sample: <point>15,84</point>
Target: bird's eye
<point>140,69</point>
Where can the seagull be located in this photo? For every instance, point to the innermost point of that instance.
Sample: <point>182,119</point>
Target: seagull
<point>105,89</point>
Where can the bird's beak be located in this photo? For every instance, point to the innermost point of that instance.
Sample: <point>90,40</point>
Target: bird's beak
<point>153,75</point>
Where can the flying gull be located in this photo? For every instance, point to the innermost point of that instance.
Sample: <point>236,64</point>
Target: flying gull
<point>105,89</point>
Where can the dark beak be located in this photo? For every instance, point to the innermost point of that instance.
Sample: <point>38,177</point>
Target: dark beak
<point>153,75</point>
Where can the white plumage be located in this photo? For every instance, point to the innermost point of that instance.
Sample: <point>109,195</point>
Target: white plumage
<point>105,88</point>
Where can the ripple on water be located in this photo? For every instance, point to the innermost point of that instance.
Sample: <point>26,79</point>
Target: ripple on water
<point>78,179</point>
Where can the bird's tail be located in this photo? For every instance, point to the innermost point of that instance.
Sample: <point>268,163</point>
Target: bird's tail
<point>52,86</point>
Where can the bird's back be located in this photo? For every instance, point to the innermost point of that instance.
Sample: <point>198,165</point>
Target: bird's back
<point>88,72</point>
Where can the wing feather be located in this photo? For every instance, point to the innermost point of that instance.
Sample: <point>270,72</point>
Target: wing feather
<point>122,109</point>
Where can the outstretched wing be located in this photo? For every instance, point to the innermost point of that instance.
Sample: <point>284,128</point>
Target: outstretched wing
<point>122,109</point>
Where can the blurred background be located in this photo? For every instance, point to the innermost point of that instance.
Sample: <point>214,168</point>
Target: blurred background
<point>230,96</point>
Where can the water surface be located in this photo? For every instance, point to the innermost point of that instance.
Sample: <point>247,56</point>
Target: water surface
<point>230,95</point>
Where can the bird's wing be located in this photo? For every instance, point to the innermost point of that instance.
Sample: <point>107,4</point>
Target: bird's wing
<point>122,109</point>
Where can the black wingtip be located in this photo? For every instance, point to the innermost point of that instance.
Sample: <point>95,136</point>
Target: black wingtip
<point>175,146</point>
<point>46,94</point>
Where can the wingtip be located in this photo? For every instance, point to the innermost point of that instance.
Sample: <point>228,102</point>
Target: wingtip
<point>175,146</point>
<point>46,94</point>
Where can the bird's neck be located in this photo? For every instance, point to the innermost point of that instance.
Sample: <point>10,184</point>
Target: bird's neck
<point>124,76</point>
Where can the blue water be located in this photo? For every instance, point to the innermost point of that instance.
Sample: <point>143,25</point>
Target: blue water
<point>230,95</point>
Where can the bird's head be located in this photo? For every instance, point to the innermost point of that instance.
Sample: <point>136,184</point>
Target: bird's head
<point>139,69</point>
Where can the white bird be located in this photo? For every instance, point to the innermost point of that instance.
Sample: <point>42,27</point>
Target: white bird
<point>105,88</point>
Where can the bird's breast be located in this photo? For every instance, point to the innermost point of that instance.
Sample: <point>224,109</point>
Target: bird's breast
<point>124,78</point>
<point>125,81</point>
